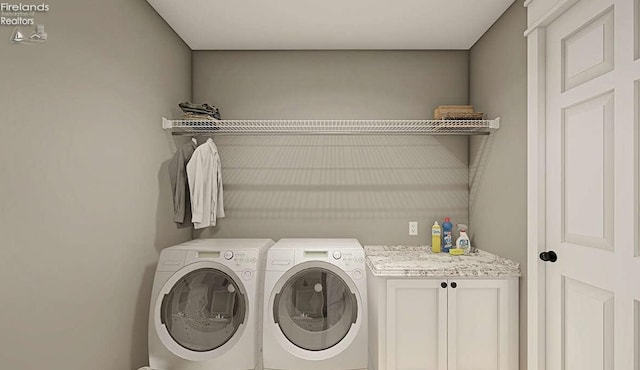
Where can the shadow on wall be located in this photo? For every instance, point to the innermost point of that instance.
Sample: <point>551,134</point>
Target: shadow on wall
<point>342,177</point>
<point>139,351</point>
<point>480,154</point>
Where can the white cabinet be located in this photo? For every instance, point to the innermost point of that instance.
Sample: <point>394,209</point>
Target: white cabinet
<point>445,324</point>
<point>479,321</point>
<point>416,324</point>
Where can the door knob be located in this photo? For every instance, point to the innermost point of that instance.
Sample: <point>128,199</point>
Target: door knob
<point>443,284</point>
<point>549,256</point>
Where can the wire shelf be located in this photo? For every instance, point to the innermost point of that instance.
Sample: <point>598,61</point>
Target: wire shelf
<point>337,127</point>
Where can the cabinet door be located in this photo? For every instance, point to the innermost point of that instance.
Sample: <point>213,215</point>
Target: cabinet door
<point>478,325</point>
<point>416,324</point>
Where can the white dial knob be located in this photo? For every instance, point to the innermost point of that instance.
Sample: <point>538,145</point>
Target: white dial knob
<point>337,255</point>
<point>228,255</point>
<point>247,274</point>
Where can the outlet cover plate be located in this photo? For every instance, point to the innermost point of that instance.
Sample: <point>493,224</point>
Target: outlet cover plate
<point>413,228</point>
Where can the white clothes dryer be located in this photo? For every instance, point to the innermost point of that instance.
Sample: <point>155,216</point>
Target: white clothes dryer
<point>206,305</point>
<point>315,314</point>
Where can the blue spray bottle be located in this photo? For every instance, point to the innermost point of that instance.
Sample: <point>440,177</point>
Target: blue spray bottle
<point>447,235</point>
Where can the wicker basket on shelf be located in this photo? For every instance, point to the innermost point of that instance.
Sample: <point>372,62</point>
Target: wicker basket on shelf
<point>463,116</point>
<point>456,112</point>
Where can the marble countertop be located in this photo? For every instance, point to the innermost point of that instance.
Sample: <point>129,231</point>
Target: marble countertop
<point>419,261</point>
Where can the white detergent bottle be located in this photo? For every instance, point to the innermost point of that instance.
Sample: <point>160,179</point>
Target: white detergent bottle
<point>463,241</point>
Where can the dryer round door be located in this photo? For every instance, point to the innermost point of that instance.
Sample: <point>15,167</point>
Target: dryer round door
<point>201,310</point>
<point>316,307</point>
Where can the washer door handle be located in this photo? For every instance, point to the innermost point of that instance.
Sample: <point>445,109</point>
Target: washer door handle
<point>276,302</point>
<point>354,309</point>
<point>163,309</point>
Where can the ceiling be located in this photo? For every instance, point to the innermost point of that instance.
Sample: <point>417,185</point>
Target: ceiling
<point>330,24</point>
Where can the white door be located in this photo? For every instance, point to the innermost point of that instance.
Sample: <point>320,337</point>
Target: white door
<point>416,324</point>
<point>593,289</point>
<point>478,330</point>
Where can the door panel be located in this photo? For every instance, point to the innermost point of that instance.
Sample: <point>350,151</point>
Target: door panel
<point>587,323</point>
<point>587,173</point>
<point>588,52</point>
<point>416,325</point>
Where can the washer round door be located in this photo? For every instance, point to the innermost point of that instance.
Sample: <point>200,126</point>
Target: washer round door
<point>201,309</point>
<point>315,308</point>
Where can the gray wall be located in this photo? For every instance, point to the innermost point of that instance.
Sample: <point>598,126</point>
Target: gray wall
<point>84,195</point>
<point>367,187</point>
<point>498,168</point>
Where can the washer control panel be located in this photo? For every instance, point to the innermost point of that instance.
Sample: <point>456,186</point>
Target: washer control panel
<point>346,254</point>
<point>347,259</point>
<point>247,274</point>
<point>353,259</point>
<point>236,259</point>
<point>171,260</point>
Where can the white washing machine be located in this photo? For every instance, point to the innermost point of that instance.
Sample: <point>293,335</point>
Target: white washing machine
<point>206,304</point>
<point>315,314</point>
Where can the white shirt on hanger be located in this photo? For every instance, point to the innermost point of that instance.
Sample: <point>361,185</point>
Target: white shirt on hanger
<point>204,173</point>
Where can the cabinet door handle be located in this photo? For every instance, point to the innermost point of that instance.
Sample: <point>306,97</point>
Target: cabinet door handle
<point>444,285</point>
<point>454,285</point>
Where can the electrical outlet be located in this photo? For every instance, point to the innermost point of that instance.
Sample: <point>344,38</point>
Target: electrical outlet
<point>413,228</point>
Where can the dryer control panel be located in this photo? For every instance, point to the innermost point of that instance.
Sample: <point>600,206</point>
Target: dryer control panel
<point>235,259</point>
<point>346,259</point>
<point>171,260</point>
<point>350,259</point>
